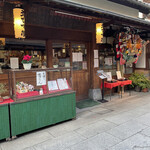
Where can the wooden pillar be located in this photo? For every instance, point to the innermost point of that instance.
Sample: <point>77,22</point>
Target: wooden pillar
<point>92,72</point>
<point>118,69</point>
<point>118,65</point>
<point>49,53</point>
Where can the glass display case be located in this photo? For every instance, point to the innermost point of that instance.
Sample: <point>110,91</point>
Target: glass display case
<point>38,83</point>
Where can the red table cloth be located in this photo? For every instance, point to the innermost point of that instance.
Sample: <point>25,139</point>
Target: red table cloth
<point>6,101</point>
<point>127,82</point>
<point>112,85</point>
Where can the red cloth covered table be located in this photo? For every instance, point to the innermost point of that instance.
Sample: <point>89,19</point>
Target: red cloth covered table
<point>127,82</point>
<point>111,85</point>
<point>6,101</point>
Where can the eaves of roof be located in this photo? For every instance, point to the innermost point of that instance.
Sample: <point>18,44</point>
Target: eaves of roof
<point>104,13</point>
<point>142,7</point>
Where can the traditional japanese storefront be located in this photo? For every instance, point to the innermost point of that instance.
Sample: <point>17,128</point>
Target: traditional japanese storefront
<point>68,29</point>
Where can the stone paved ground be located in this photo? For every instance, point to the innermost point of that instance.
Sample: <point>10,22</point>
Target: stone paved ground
<point>121,124</point>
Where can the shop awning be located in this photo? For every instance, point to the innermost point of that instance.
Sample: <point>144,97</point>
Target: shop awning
<point>142,7</point>
<point>100,13</point>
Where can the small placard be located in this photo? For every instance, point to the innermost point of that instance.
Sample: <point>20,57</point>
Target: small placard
<point>62,84</point>
<point>74,57</point>
<point>109,76</point>
<point>52,85</point>
<point>95,53</point>
<point>14,62</point>
<point>96,63</point>
<point>41,78</point>
<point>118,74</point>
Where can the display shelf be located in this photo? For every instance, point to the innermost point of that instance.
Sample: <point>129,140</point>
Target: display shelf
<point>39,79</point>
<point>30,110</point>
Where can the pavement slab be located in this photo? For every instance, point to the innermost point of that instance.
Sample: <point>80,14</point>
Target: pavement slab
<point>144,119</point>
<point>98,142</point>
<point>127,129</point>
<point>29,148</point>
<point>26,141</point>
<point>132,143</point>
<point>60,143</point>
<point>70,126</point>
<point>95,128</point>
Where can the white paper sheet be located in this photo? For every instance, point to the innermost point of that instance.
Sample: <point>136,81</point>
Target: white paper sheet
<point>62,84</point>
<point>95,53</point>
<point>40,78</point>
<point>74,57</point>
<point>96,63</point>
<point>80,57</point>
<point>14,62</point>
<point>109,76</point>
<point>84,65</point>
<point>118,74</point>
<point>52,85</point>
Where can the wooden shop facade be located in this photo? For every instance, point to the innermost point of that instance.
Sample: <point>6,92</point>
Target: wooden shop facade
<point>63,34</point>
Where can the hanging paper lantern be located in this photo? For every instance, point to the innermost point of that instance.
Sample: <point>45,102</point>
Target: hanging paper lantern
<point>19,23</point>
<point>99,33</point>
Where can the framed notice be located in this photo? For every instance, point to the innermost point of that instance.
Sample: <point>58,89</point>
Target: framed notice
<point>52,85</point>
<point>40,78</point>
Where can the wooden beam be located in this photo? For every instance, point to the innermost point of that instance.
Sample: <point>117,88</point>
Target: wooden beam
<point>43,33</point>
<point>49,53</point>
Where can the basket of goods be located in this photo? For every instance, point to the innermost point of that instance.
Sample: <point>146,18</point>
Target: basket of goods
<point>25,90</point>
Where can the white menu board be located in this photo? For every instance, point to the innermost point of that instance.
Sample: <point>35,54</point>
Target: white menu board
<point>74,57</point>
<point>118,74</point>
<point>95,53</point>
<point>62,84</point>
<point>80,57</point>
<point>96,63</point>
<point>52,85</point>
<point>109,76</point>
<point>40,78</point>
<point>77,57</point>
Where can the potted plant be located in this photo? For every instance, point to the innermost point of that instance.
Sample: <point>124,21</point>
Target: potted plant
<point>27,62</point>
<point>2,90</point>
<point>140,82</point>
